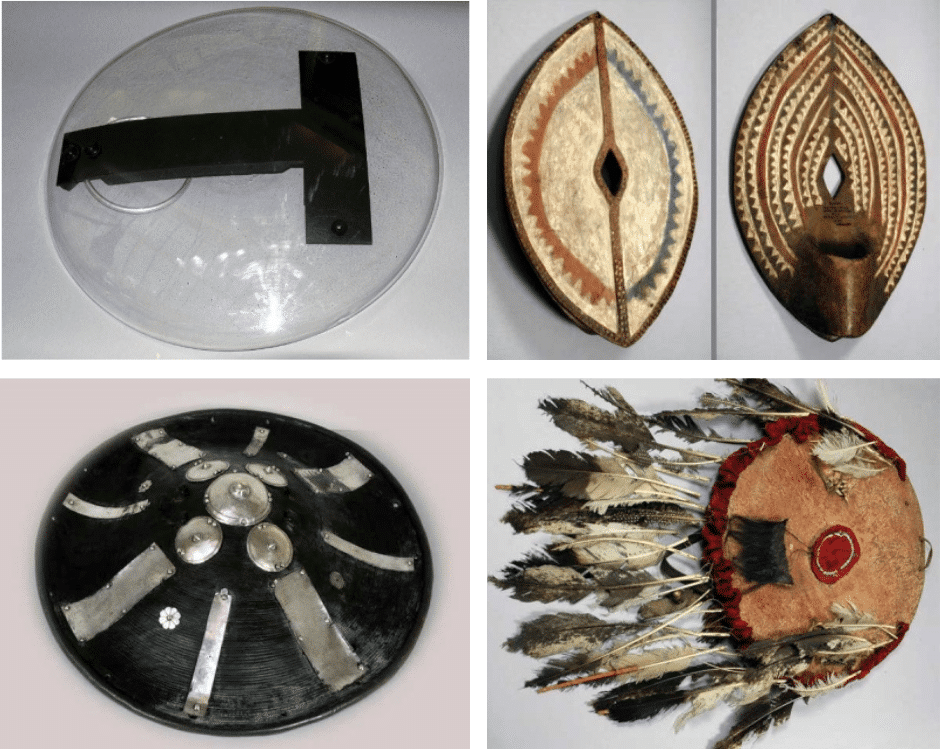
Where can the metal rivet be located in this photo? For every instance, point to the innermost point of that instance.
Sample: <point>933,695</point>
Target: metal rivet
<point>339,227</point>
<point>240,490</point>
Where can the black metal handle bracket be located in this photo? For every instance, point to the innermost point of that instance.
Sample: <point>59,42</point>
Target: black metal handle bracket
<point>325,138</point>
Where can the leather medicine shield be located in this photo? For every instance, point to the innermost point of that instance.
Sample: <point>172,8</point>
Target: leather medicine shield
<point>600,180</point>
<point>831,252</point>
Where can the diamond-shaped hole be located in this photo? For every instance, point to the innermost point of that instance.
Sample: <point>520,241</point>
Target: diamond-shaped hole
<point>611,173</point>
<point>833,176</point>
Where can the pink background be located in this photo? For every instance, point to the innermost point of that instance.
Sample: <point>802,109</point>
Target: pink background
<point>418,429</point>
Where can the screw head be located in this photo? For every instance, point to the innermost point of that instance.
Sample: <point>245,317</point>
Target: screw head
<point>339,227</point>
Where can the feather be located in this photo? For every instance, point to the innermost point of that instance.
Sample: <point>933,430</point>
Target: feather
<point>785,652</point>
<point>552,634</point>
<point>546,583</point>
<point>559,668</point>
<point>849,614</point>
<point>620,589</point>
<point>631,702</point>
<point>626,429</point>
<point>539,516</point>
<point>599,480</point>
<point>818,688</point>
<point>768,396</point>
<point>601,506</point>
<point>586,422</point>
<point>590,477</point>
<point>671,601</point>
<point>824,397</point>
<point>607,549</point>
<point>849,454</point>
<point>653,663</point>
<point>756,718</point>
<point>611,395</point>
<point>705,699</point>
<point>684,426</point>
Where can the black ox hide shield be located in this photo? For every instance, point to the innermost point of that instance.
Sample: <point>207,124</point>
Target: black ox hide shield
<point>233,572</point>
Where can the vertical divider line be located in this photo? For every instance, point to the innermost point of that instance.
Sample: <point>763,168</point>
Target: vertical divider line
<point>616,251</point>
<point>714,176</point>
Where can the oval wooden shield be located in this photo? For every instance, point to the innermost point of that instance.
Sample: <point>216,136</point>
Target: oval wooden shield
<point>832,251</point>
<point>600,180</point>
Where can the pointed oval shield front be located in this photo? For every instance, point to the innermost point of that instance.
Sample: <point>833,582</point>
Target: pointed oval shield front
<point>600,180</point>
<point>831,247</point>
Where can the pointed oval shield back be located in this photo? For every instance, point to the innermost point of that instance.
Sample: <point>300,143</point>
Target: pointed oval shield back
<point>829,180</point>
<point>600,180</point>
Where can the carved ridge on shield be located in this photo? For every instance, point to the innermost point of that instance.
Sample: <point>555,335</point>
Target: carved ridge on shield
<point>608,247</point>
<point>829,96</point>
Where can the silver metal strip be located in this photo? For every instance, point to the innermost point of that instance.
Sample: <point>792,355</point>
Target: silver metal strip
<point>204,675</point>
<point>345,476</point>
<point>169,451</point>
<point>121,593</point>
<point>99,512</point>
<point>269,474</point>
<point>373,558</point>
<point>257,441</point>
<point>323,644</point>
<point>205,470</point>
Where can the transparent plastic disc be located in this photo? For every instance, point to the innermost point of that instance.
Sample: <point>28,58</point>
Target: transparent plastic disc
<point>221,262</point>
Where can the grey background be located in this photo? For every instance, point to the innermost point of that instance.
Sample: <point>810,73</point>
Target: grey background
<point>420,431</point>
<point>894,706</point>
<point>752,324</point>
<point>523,321</point>
<point>51,50</point>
